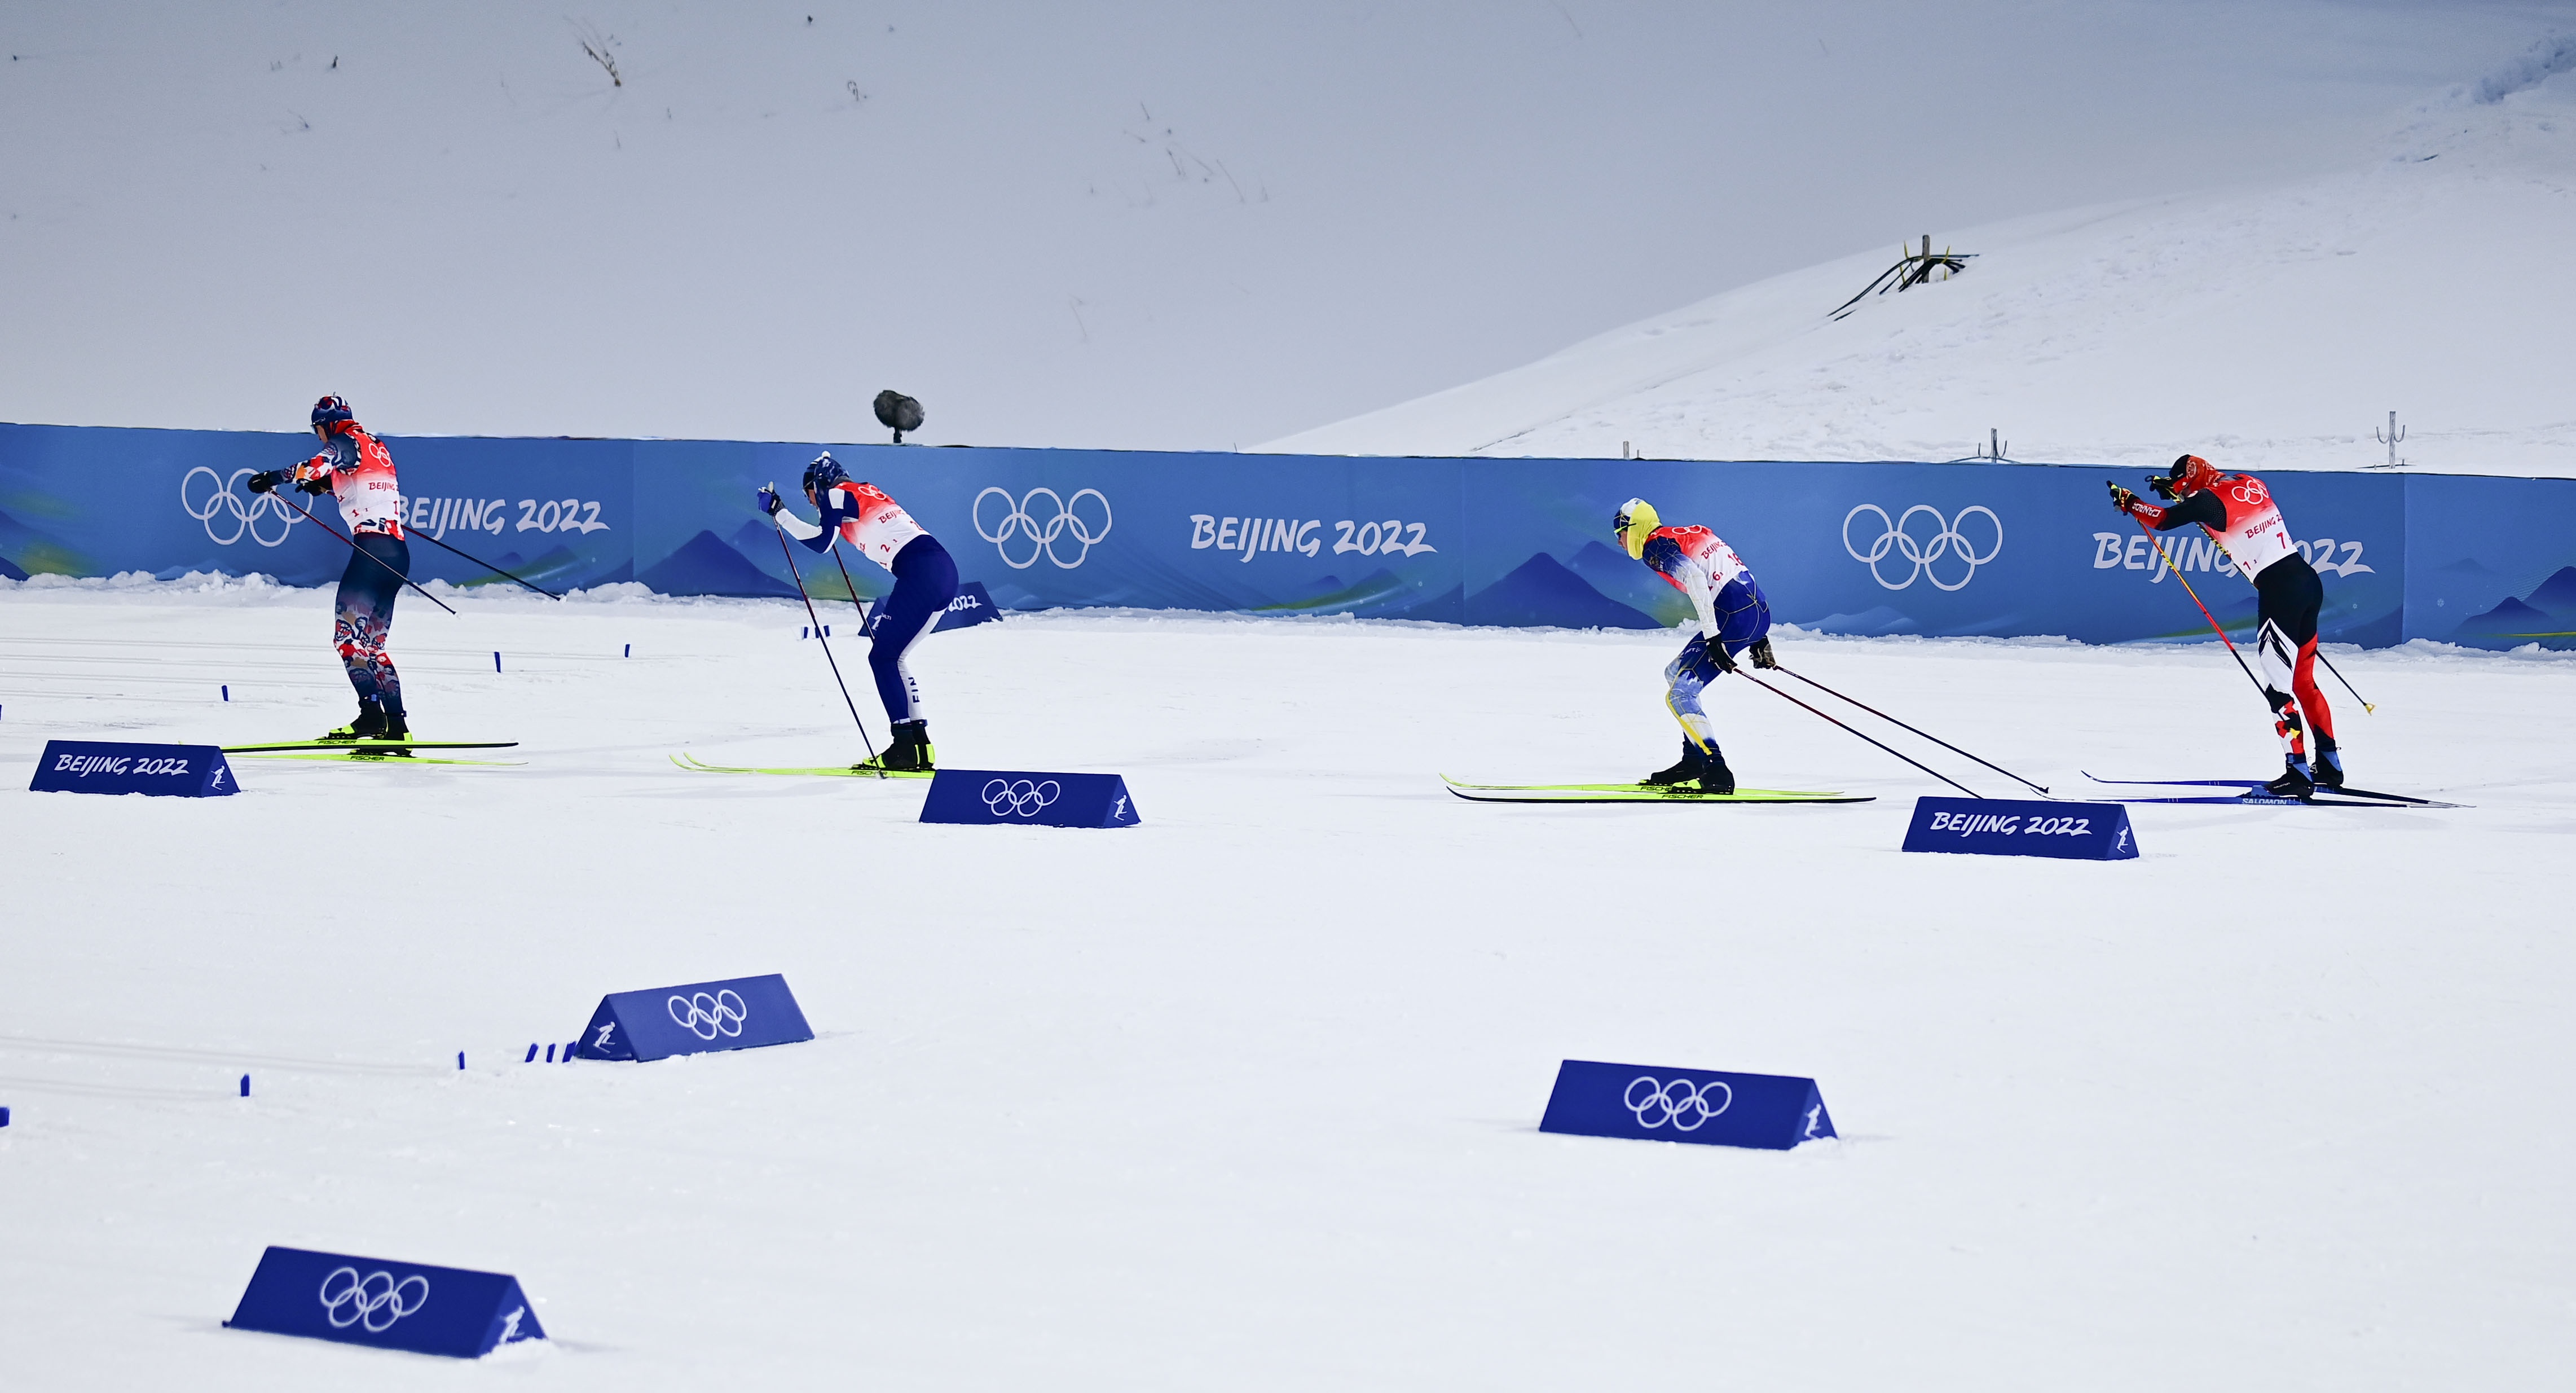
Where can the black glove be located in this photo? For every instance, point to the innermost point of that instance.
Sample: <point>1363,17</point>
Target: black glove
<point>265,480</point>
<point>318,484</point>
<point>1761,651</point>
<point>769,500</point>
<point>1718,657</point>
<point>2122,499</point>
<point>2162,485</point>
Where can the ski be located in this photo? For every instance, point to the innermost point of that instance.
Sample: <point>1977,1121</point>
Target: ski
<point>2254,789</point>
<point>1635,793</point>
<point>392,756</point>
<point>370,745</point>
<point>840,771</point>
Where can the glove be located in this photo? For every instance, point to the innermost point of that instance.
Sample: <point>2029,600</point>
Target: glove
<point>2162,485</point>
<point>1761,652</point>
<point>265,480</point>
<point>2122,499</point>
<point>1712,659</point>
<point>769,499</point>
<point>318,484</point>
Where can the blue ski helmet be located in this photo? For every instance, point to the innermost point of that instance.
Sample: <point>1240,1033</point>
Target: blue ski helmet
<point>824,472</point>
<point>331,409</point>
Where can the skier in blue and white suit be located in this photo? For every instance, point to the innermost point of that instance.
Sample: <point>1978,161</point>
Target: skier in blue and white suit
<point>1734,617</point>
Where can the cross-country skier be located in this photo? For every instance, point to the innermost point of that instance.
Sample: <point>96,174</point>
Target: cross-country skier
<point>355,468</point>
<point>1734,616</point>
<point>2239,514</point>
<point>925,580</point>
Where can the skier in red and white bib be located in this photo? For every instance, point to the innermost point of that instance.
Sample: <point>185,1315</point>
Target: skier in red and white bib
<point>356,469</point>
<point>2238,512</point>
<point>925,581</point>
<point>1734,617</point>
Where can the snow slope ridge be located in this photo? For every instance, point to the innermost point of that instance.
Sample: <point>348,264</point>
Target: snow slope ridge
<point>2266,328</point>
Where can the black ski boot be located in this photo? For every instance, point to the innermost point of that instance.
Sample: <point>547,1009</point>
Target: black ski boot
<point>2328,768</point>
<point>1715,777</point>
<point>1693,765</point>
<point>370,724</point>
<point>2293,783</point>
<point>396,729</point>
<point>910,751</point>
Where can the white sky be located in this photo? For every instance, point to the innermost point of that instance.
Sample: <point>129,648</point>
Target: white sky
<point>1333,207</point>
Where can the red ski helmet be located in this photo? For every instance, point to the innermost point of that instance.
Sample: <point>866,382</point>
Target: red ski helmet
<point>2190,475</point>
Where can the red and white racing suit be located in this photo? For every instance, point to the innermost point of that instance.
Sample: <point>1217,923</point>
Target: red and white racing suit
<point>2239,513</point>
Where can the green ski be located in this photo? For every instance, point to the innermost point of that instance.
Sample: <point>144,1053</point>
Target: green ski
<point>1636,793</point>
<point>838,771</point>
<point>370,745</point>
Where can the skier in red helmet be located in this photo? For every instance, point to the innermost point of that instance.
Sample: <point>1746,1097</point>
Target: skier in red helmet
<point>2238,513</point>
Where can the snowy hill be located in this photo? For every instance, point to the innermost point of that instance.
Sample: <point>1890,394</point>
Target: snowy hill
<point>2268,327</point>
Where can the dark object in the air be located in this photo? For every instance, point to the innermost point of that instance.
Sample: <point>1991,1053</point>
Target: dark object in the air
<point>1911,269</point>
<point>898,413</point>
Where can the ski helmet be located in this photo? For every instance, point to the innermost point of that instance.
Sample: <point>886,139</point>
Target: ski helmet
<point>1633,524</point>
<point>824,472</point>
<point>331,409</point>
<point>2190,475</point>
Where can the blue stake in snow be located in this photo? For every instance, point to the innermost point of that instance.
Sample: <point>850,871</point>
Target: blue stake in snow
<point>245,1085</point>
<point>532,1055</point>
<point>460,1060</point>
<point>4,1117</point>
<point>550,1054</point>
<point>496,661</point>
<point>630,650</point>
<point>567,1056</point>
<point>228,691</point>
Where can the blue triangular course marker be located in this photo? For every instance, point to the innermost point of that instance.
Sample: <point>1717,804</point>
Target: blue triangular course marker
<point>411,1306</point>
<point>1646,1102</point>
<point>739,1013</point>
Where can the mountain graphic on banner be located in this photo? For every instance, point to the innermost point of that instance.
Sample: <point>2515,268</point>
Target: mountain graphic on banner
<point>1631,583</point>
<point>704,565</point>
<point>2511,618</point>
<point>2556,595</point>
<point>1542,592</point>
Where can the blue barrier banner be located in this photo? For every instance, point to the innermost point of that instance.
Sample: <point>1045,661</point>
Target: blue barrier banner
<point>1845,548</point>
<point>1641,1101</point>
<point>390,1305</point>
<point>983,797</point>
<point>108,766</point>
<point>2022,827</point>
<point>973,605</point>
<point>695,1018</point>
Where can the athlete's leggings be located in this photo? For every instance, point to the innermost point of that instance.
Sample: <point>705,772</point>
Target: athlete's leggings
<point>364,615</point>
<point>2287,597</point>
<point>1743,617</point>
<point>925,580</point>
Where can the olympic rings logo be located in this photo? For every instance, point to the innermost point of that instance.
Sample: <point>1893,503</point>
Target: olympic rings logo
<point>1922,552</point>
<point>221,502</point>
<point>1020,797</point>
<point>2250,493</point>
<point>1671,1102</point>
<point>1064,523</point>
<point>707,1016</point>
<point>375,1301</point>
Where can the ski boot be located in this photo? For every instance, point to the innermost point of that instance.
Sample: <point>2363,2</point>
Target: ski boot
<point>2295,782</point>
<point>1715,777</point>
<point>370,724</point>
<point>910,752</point>
<point>1694,763</point>
<point>2328,768</point>
<point>395,729</point>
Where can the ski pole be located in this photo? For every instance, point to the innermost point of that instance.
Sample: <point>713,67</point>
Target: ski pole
<point>1928,769</point>
<point>2347,685</point>
<point>2153,541</point>
<point>1891,720</point>
<point>827,644</point>
<point>486,565</point>
<point>362,551</point>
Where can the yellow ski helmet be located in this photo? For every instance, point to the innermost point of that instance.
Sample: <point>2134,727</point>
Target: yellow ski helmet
<point>1634,523</point>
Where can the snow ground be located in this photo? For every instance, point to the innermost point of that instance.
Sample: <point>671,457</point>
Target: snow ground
<point>2269,326</point>
<point>1246,1097</point>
